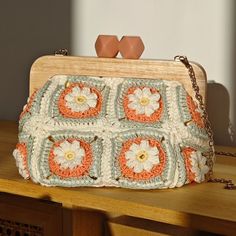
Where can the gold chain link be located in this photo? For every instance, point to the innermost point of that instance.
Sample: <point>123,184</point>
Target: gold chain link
<point>61,52</point>
<point>228,154</point>
<point>198,96</point>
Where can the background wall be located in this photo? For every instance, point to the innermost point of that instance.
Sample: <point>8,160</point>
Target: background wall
<point>28,29</point>
<point>203,30</point>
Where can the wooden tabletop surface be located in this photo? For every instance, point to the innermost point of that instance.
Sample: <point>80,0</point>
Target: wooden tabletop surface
<point>207,206</point>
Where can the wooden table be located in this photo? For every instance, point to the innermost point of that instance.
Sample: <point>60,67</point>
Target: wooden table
<point>206,206</point>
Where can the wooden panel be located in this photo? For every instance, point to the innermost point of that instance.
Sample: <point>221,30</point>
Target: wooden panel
<point>45,215</point>
<point>206,206</point>
<point>125,225</point>
<point>47,66</point>
<point>88,223</point>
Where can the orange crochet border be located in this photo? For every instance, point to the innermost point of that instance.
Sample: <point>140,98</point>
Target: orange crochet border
<point>131,114</point>
<point>144,175</point>
<point>67,112</point>
<point>81,170</point>
<point>187,158</point>
<point>29,104</point>
<point>196,116</point>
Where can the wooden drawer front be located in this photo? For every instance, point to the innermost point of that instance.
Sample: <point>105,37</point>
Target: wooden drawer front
<point>125,225</point>
<point>14,228</point>
<point>20,216</point>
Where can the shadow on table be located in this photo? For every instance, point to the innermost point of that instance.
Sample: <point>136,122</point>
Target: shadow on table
<point>218,107</point>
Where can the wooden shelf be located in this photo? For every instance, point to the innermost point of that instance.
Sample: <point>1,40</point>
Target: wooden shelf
<point>204,206</point>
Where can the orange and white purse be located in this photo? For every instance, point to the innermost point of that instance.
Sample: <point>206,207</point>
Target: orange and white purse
<point>125,123</point>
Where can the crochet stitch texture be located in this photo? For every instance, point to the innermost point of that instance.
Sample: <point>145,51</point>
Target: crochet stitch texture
<point>123,132</point>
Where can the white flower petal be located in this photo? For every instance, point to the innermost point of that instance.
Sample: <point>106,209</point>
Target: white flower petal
<point>75,145</point>
<point>80,153</point>
<point>76,91</point>
<point>131,163</point>
<point>155,105</point>
<point>134,147</point>
<point>155,97</point>
<point>65,165</point>
<point>153,151</point>
<point>69,97</point>
<point>149,110</point>
<point>146,92</point>
<point>85,91</point>
<point>140,109</point>
<point>132,98</point>
<point>71,103</point>
<point>133,105</point>
<point>144,144</point>
<point>84,107</point>
<point>93,96</point>
<point>92,102</point>
<point>154,160</point>
<point>58,151</point>
<point>138,168</point>
<point>129,155</point>
<point>138,93</point>
<point>65,145</point>
<point>147,165</point>
<point>60,159</point>
<point>197,178</point>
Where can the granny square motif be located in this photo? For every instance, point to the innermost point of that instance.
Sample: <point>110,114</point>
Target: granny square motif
<point>122,132</point>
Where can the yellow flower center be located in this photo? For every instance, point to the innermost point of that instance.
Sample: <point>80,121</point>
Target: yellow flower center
<point>69,155</point>
<point>142,156</point>
<point>144,101</point>
<point>81,99</point>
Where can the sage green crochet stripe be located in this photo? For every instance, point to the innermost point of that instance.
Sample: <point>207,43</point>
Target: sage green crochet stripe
<point>23,138</point>
<point>30,142</point>
<point>181,165</point>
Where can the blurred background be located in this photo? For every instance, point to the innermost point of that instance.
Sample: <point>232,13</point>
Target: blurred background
<point>203,30</point>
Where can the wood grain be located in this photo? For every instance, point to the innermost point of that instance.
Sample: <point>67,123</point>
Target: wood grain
<point>47,66</point>
<point>47,215</point>
<point>87,223</point>
<point>205,206</point>
<point>125,225</point>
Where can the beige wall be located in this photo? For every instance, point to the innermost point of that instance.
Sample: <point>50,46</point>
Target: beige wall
<point>202,30</point>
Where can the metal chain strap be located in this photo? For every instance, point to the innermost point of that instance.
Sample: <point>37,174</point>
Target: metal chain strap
<point>228,154</point>
<point>228,182</point>
<point>61,52</point>
<point>198,96</point>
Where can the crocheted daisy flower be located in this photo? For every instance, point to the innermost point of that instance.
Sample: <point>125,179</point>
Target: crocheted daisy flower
<point>199,167</point>
<point>143,101</point>
<point>69,155</point>
<point>142,157</point>
<point>81,99</point>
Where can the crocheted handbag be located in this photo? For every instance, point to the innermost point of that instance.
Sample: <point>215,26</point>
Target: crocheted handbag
<point>133,132</point>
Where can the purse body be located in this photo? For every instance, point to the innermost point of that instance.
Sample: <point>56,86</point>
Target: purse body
<point>113,122</point>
